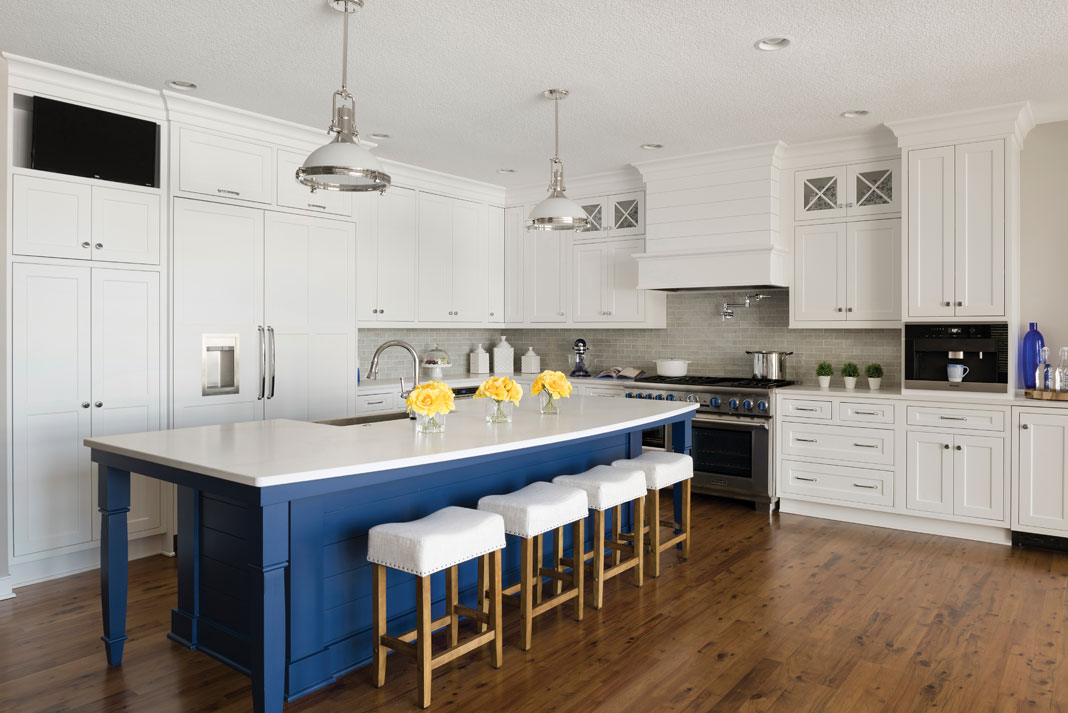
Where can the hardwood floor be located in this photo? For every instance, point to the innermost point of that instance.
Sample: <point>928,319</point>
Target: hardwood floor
<point>786,614</point>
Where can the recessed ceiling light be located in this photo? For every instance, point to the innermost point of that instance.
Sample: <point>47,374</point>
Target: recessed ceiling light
<point>771,44</point>
<point>854,113</point>
<point>182,85</point>
<point>652,147</point>
<point>505,170</point>
<point>381,136</point>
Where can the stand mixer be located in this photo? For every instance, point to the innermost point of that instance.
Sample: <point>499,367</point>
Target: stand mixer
<point>580,348</point>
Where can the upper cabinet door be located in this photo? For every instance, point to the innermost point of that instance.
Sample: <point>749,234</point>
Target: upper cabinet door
<point>931,232</point>
<point>598,211</point>
<point>469,277</point>
<point>125,226</point>
<point>820,194</point>
<point>624,302</point>
<point>980,229</point>
<point>366,206</point>
<point>435,258</point>
<point>873,188</point>
<point>396,255</point>
<point>545,259</point>
<point>626,211</point>
<point>514,272</point>
<point>495,264</point>
<point>819,292</point>
<point>294,194</point>
<point>224,166</point>
<point>51,407</point>
<point>52,218</point>
<point>873,259</point>
<point>589,288</point>
<point>929,472</point>
<point>1041,492</point>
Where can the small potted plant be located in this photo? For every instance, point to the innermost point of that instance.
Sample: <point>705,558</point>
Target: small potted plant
<point>824,372</point>
<point>850,372</point>
<point>874,372</point>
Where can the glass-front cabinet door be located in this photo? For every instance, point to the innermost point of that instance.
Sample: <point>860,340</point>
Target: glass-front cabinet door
<point>627,213</point>
<point>596,210</point>
<point>820,194</point>
<point>873,188</point>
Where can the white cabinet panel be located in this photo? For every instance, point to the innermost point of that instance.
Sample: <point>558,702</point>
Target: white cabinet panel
<point>546,264</point>
<point>979,477</point>
<point>807,408</point>
<point>820,193</point>
<point>1041,490</point>
<point>51,407</point>
<point>929,472</point>
<point>366,207</point>
<point>843,443</point>
<point>468,277</point>
<point>294,194</point>
<point>386,255</point>
<point>835,482</point>
<point>863,412</point>
<point>626,213</point>
<point>310,312</point>
<point>224,166</point>
<point>819,291</point>
<point>51,218</point>
<point>599,218</point>
<point>435,258</point>
<point>873,270</point>
<point>495,264</point>
<point>126,226</point>
<point>954,417</point>
<point>931,232</point>
<point>514,273</point>
<point>623,300</point>
<point>218,289</point>
<point>873,188</point>
<point>588,290</point>
<point>980,229</point>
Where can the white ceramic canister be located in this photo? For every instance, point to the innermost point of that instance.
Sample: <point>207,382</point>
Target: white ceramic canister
<point>503,357</point>
<point>531,362</point>
<point>479,362</point>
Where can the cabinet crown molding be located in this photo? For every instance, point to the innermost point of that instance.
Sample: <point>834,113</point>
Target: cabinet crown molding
<point>754,155</point>
<point>873,146</point>
<point>1013,120</point>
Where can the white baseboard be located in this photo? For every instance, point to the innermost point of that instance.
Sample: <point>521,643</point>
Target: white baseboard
<point>998,535</point>
<point>42,570</point>
<point>5,588</point>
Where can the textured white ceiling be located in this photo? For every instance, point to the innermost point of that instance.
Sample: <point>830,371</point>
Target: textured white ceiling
<point>457,83</point>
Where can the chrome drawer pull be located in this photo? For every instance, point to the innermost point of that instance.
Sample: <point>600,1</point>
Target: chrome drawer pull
<point>953,418</point>
<point>228,193</point>
<point>866,487</point>
<point>865,445</point>
<point>868,413</point>
<point>807,480</point>
<point>806,440</point>
<point>804,408</point>
<point>375,403</point>
<point>316,205</point>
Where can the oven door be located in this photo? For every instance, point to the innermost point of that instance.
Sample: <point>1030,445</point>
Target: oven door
<point>731,454</point>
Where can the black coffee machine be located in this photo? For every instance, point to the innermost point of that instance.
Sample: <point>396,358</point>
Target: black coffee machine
<point>982,348</point>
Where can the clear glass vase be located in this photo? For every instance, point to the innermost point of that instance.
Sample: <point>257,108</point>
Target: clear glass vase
<point>548,403</point>
<point>430,424</point>
<point>499,411</point>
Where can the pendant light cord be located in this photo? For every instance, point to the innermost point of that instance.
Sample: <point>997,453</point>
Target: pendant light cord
<point>556,124</point>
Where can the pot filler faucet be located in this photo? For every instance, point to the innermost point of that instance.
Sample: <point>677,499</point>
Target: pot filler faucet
<point>372,373</point>
<point>728,308</point>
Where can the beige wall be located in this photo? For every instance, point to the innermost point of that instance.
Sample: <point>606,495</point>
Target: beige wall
<point>1044,233</point>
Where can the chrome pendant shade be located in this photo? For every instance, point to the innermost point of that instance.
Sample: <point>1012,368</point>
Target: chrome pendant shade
<point>342,164</point>
<point>557,212</point>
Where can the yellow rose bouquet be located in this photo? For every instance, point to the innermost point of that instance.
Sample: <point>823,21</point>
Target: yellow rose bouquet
<point>552,385</point>
<point>504,393</point>
<point>431,402</point>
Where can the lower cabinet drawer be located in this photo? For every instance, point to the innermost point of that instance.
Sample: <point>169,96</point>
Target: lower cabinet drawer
<point>834,482</point>
<point>844,443</point>
<point>974,419</point>
<point>373,403</point>
<point>806,408</point>
<point>851,412</point>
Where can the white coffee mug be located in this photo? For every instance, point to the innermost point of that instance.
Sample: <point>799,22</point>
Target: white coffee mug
<point>956,372</point>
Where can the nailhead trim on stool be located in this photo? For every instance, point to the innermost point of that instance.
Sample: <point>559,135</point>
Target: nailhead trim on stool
<point>661,468</point>
<point>607,485</point>
<point>438,541</point>
<point>537,508</point>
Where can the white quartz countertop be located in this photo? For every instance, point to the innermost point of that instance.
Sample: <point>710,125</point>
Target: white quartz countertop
<point>266,453</point>
<point>956,397</point>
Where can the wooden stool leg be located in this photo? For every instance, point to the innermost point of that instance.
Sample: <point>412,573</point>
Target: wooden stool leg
<point>578,571</point>
<point>685,524</point>
<point>539,552</point>
<point>422,641</point>
<point>558,554</point>
<point>451,600</point>
<point>483,589</point>
<point>495,609</point>
<point>617,528</point>
<point>378,578</point>
<point>653,516</point>
<point>639,540</point>
<point>526,595</point>
<point>598,558</point>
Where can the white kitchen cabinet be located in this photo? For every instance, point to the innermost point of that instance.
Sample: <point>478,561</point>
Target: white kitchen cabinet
<point>1040,489</point>
<point>224,166</point>
<point>291,193</point>
<point>929,472</point>
<point>819,291</point>
<point>386,256</point>
<point>496,270</point>
<point>625,302</point>
<point>956,228</point>
<point>545,259</point>
<point>597,227</point>
<point>470,278</point>
<point>452,259</point>
<point>820,193</point>
<point>588,290</point>
<point>852,191</point>
<point>51,218</point>
<point>126,226</point>
<point>616,216</point>
<point>514,272</point>
<point>955,474</point>
<point>310,314</point>
<point>605,282</point>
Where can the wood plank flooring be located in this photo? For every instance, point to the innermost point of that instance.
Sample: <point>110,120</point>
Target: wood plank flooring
<point>783,614</point>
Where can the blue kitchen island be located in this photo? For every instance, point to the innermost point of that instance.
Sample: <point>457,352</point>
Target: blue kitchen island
<point>273,518</point>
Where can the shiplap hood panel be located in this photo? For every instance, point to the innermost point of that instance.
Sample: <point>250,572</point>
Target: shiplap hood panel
<point>712,220</point>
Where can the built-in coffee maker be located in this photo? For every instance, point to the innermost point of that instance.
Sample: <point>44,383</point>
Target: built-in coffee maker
<point>965,357</point>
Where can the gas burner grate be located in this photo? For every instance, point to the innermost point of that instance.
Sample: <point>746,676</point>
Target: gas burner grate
<point>722,381</point>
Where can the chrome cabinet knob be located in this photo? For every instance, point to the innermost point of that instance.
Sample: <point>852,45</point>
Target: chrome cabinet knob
<point>86,244</point>
<point>960,303</point>
<point>949,304</point>
<point>491,314</point>
<point>839,309</point>
<point>946,446</point>
<point>1024,426</point>
<point>959,448</point>
<point>99,246</point>
<point>374,311</point>
<point>381,311</point>
<point>85,404</point>
<point>850,309</point>
<point>98,404</point>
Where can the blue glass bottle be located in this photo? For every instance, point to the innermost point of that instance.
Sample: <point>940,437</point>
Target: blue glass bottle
<point>1030,353</point>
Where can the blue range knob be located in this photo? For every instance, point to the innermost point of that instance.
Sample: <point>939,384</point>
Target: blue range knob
<point>659,397</point>
<point>648,396</point>
<point>747,404</point>
<point>714,402</point>
<point>671,397</point>
<point>628,395</point>
<point>762,405</point>
<point>733,403</point>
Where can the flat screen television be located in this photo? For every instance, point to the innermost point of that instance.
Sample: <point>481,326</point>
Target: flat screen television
<point>79,141</point>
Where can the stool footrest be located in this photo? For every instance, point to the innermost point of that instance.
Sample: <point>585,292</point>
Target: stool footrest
<point>623,566</point>
<point>458,651</point>
<point>398,644</point>
<point>475,614</point>
<point>559,576</point>
<point>620,546</point>
<point>412,635</point>
<point>671,542</point>
<point>554,601</point>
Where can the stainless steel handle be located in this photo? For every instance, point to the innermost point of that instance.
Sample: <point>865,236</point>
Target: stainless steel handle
<point>866,487</point>
<point>953,418</point>
<point>806,440</point>
<point>868,413</point>
<point>85,404</point>
<point>228,193</point>
<point>807,480</point>
<point>263,363</point>
<point>99,246</point>
<point>87,244</point>
<point>316,205</point>
<point>804,408</point>
<point>375,403</point>
<point>270,333</point>
<point>1024,426</point>
<point>849,205</point>
<point>865,445</point>
<point>99,404</point>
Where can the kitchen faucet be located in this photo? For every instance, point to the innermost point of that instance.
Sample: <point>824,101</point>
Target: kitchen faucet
<point>728,308</point>
<point>373,371</point>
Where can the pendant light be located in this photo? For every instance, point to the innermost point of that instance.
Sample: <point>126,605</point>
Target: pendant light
<point>342,164</point>
<point>557,212</point>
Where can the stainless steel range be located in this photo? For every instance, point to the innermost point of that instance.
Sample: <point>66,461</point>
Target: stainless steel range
<point>732,431</point>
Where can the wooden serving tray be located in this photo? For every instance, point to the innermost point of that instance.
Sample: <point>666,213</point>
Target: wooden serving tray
<point>1046,395</point>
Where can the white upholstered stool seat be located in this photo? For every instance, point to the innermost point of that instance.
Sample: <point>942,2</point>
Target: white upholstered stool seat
<point>607,486</point>
<point>537,508</point>
<point>438,541</point>
<point>661,468</point>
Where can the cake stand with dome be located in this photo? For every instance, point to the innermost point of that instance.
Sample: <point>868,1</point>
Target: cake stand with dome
<point>435,360</point>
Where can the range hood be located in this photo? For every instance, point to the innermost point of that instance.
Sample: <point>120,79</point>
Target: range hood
<point>712,221</point>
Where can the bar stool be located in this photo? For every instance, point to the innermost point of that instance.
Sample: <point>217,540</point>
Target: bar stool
<point>439,541</point>
<point>664,469</point>
<point>608,487</point>
<point>528,514</point>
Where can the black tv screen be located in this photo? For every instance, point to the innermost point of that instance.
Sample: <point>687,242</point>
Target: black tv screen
<point>79,141</point>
